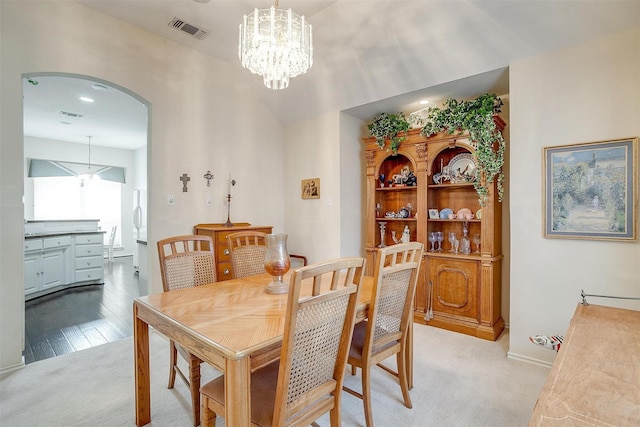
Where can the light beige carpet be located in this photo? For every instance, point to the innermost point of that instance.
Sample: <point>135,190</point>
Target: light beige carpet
<point>459,381</point>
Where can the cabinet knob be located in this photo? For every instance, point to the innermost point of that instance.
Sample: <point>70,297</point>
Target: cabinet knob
<point>225,271</point>
<point>226,251</point>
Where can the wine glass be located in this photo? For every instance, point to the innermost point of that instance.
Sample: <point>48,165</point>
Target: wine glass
<point>378,209</point>
<point>433,238</point>
<point>476,241</point>
<point>410,208</point>
<point>439,238</point>
<point>452,239</point>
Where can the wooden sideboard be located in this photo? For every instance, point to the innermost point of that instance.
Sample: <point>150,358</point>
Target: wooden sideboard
<point>595,379</point>
<point>219,234</point>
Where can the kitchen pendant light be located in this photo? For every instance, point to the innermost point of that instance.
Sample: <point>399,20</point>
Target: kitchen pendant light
<point>276,44</point>
<point>88,175</point>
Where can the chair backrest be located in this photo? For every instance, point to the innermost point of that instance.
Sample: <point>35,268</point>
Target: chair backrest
<point>390,311</point>
<point>112,236</point>
<point>247,250</point>
<point>186,261</point>
<point>317,338</point>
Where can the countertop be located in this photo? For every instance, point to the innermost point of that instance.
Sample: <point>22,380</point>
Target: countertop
<point>61,233</point>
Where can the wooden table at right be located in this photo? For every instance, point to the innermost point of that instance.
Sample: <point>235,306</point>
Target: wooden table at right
<point>595,379</point>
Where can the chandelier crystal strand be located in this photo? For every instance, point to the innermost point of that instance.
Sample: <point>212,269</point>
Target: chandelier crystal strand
<point>276,44</point>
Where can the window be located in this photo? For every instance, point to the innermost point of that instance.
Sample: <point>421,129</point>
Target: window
<point>64,198</point>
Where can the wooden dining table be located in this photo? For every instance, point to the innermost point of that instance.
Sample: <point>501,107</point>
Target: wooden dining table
<point>233,325</point>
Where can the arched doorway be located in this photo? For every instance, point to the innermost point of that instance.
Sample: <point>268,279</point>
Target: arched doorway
<point>73,121</point>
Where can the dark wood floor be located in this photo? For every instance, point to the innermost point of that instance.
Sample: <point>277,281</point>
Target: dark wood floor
<point>79,318</point>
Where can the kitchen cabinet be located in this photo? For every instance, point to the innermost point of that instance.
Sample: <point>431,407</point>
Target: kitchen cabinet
<point>44,263</point>
<point>89,258</point>
<point>59,260</point>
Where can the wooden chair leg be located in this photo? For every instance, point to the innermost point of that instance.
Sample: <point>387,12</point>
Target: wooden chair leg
<point>402,378</point>
<point>208,417</point>
<point>366,395</point>
<point>173,358</point>
<point>194,386</point>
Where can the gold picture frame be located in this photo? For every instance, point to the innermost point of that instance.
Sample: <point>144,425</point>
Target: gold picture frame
<point>311,188</point>
<point>591,190</point>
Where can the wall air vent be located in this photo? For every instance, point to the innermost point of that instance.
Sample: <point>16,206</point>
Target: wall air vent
<point>68,114</point>
<point>192,30</point>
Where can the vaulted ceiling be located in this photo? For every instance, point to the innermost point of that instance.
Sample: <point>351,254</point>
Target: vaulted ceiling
<point>386,55</point>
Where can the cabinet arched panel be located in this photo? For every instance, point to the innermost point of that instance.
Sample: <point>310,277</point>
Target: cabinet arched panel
<point>454,285</point>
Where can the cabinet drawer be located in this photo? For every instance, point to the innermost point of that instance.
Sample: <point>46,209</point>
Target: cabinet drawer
<point>88,250</point>
<point>222,253</point>
<point>33,245</point>
<point>88,239</point>
<point>224,271</point>
<point>89,274</point>
<point>221,236</point>
<point>88,262</point>
<point>56,242</point>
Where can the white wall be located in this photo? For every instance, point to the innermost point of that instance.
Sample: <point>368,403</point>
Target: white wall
<point>583,94</point>
<point>201,118</point>
<point>49,149</point>
<point>311,150</point>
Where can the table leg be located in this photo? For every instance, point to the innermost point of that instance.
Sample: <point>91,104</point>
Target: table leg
<point>141,367</point>
<point>237,392</point>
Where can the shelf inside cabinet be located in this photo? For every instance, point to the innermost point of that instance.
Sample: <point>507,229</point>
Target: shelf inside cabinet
<point>450,185</point>
<point>384,218</point>
<point>454,220</point>
<point>412,187</point>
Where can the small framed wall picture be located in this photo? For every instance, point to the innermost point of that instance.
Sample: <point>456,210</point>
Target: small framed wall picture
<point>311,188</point>
<point>434,214</point>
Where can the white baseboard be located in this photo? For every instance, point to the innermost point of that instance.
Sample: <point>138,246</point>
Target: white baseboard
<point>13,368</point>
<point>527,359</point>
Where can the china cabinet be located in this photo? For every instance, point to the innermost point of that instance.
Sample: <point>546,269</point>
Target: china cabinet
<point>459,286</point>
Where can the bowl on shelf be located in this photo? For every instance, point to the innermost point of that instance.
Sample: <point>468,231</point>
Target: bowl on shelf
<point>444,213</point>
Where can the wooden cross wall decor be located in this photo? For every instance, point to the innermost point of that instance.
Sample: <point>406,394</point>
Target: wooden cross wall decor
<point>184,178</point>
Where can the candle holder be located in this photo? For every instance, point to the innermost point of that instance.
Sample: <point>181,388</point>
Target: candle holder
<point>232,182</point>
<point>277,263</point>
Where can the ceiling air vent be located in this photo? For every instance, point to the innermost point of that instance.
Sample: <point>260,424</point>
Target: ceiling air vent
<point>193,31</point>
<point>68,114</point>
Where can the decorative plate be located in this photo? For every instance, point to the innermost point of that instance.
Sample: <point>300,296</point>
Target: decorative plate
<point>444,213</point>
<point>479,214</point>
<point>463,168</point>
<point>463,212</point>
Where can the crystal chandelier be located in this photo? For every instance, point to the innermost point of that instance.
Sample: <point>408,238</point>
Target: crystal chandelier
<point>276,44</point>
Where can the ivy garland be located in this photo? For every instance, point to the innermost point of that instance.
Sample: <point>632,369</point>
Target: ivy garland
<point>386,126</point>
<point>476,117</point>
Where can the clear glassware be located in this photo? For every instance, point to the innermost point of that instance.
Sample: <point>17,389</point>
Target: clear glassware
<point>476,241</point>
<point>433,239</point>
<point>465,243</point>
<point>440,239</point>
<point>277,262</point>
<point>452,239</point>
<point>383,227</point>
<point>378,209</point>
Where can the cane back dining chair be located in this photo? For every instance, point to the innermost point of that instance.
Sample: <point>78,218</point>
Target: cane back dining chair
<point>384,332</point>
<point>247,250</point>
<point>186,261</point>
<point>306,382</point>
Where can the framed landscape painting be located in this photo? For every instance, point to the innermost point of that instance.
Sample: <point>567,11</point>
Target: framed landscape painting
<point>591,190</point>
